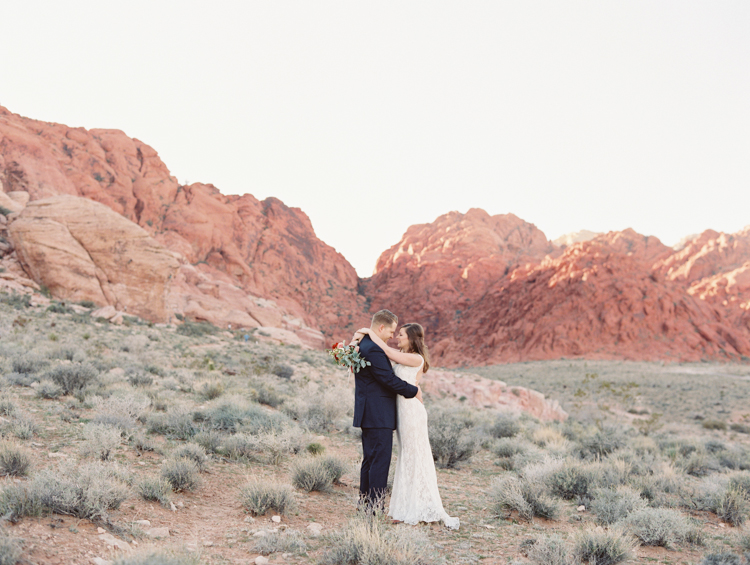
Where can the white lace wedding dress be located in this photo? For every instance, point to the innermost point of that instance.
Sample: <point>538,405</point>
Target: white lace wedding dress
<point>415,497</point>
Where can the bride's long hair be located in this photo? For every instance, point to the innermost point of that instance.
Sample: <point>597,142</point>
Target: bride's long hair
<point>415,333</point>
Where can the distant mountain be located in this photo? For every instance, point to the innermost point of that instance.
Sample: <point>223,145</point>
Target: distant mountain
<point>575,237</point>
<point>95,215</point>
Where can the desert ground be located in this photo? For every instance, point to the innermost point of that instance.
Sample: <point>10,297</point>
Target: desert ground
<point>142,443</point>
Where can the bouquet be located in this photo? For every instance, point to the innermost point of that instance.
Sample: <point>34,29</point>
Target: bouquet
<point>347,356</point>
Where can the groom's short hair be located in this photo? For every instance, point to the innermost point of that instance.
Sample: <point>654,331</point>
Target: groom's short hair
<point>385,317</point>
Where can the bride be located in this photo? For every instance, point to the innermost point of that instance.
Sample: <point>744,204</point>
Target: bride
<point>415,497</point>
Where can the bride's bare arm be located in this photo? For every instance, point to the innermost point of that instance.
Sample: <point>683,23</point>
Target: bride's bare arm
<point>408,359</point>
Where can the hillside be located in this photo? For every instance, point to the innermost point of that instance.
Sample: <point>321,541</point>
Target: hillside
<point>94,215</point>
<point>147,443</point>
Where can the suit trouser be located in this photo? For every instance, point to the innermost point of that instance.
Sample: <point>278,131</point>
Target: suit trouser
<point>377,446</point>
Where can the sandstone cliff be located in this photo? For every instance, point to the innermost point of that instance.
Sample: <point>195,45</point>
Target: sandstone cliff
<point>610,297</point>
<point>96,215</point>
<point>440,269</point>
<point>233,246</point>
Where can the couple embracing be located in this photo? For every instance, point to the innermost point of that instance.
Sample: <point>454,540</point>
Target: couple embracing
<point>387,398</point>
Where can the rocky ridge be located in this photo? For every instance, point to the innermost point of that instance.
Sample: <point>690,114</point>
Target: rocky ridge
<point>241,261</point>
<point>96,215</point>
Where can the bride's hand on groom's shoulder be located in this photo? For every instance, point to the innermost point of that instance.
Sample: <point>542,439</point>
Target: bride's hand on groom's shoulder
<point>359,334</point>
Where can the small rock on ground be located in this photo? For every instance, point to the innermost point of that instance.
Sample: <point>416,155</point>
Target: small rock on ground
<point>158,533</point>
<point>112,541</point>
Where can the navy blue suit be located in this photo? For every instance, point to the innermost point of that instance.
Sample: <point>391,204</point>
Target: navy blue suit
<point>375,390</point>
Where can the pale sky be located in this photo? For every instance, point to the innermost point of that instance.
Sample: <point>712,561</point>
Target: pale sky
<point>373,116</point>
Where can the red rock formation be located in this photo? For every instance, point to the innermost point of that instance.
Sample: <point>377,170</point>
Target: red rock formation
<point>481,392</point>
<point>264,248</point>
<point>709,254</point>
<point>591,302</point>
<point>487,288</point>
<point>438,270</point>
<point>82,250</point>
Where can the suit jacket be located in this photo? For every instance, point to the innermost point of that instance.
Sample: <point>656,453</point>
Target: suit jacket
<point>375,389</point>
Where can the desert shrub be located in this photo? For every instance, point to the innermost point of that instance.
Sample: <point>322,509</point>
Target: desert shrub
<point>100,441</point>
<point>155,369</point>
<point>87,491</point>
<point>451,439</point>
<point>195,329</point>
<point>15,300</point>
<point>315,448</point>
<point>508,447</point>
<point>741,482</point>
<point>48,390</point>
<point>549,550</point>
<point>155,489</point>
<point>193,452</point>
<point>573,481</point>
<point>643,445</point>
<point>527,497</point>
<point>732,506</point>
<point>612,472</point>
<point>158,557</point>
<point>29,363</point>
<point>14,460</point>
<point>267,446</point>
<point>722,559</point>
<point>142,443</point>
<point>505,426</point>
<point>658,526</point>
<point>283,371</point>
<point>603,442</point>
<point>121,411</point>
<point>603,547</point>
<point>7,406</point>
<point>265,394</point>
<point>546,436</point>
<point>74,377</point>
<point>713,445</point>
<point>21,426</point>
<point>312,474</point>
<point>336,467</point>
<point>735,458</point>
<point>181,474</point>
<point>21,379</point>
<point>744,542</point>
<point>210,440</point>
<point>714,425</point>
<point>741,428</point>
<point>699,464</point>
<point>609,505</point>
<point>367,540</point>
<point>138,378</point>
<point>318,412</point>
<point>210,390</point>
<point>237,414</point>
<point>281,542</point>
<point>67,353</point>
<point>60,308</point>
<point>10,548</point>
<point>176,423</point>
<point>258,498</point>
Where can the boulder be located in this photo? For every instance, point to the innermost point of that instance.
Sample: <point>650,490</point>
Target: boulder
<point>82,250</point>
<point>481,392</point>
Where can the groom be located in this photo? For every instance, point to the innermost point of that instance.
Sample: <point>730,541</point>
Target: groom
<point>375,390</point>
